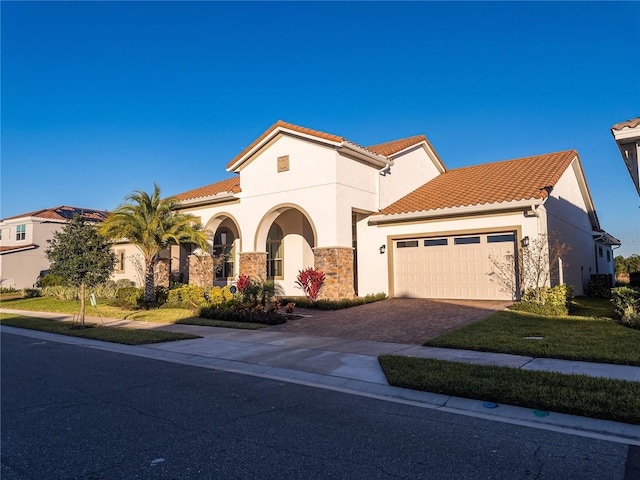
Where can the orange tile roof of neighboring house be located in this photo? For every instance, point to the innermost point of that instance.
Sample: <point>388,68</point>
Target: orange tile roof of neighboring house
<point>65,212</point>
<point>389,148</point>
<point>634,122</point>
<point>511,180</point>
<point>6,248</point>
<point>231,185</point>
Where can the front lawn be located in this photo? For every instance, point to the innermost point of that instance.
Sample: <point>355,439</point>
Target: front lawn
<point>573,394</point>
<point>154,315</point>
<point>127,336</point>
<point>586,335</point>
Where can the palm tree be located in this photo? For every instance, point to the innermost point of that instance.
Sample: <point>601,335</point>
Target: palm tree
<point>153,224</point>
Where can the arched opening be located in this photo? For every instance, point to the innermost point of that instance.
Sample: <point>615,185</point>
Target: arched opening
<point>224,250</point>
<point>275,253</point>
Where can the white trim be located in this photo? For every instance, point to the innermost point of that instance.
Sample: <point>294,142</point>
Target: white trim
<point>217,198</point>
<point>470,209</point>
<point>430,153</point>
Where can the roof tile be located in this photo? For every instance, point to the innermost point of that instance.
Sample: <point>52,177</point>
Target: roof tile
<point>231,185</point>
<point>634,122</point>
<point>511,180</point>
<point>65,212</point>
<point>389,148</point>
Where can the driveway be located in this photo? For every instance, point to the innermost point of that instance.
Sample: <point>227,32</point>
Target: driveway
<point>401,320</point>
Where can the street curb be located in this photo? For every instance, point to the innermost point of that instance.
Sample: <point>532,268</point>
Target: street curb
<point>571,424</point>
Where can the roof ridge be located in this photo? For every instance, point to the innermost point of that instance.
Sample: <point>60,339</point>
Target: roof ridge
<point>500,162</point>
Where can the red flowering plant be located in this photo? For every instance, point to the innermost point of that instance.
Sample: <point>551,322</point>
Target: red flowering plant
<point>243,282</point>
<point>311,282</point>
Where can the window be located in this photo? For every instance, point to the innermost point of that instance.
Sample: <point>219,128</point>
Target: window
<point>0,234</point>
<point>507,237</point>
<point>436,242</point>
<point>120,261</point>
<point>407,244</point>
<point>223,247</point>
<point>608,256</point>
<point>21,232</point>
<point>600,252</point>
<point>466,240</point>
<point>274,252</point>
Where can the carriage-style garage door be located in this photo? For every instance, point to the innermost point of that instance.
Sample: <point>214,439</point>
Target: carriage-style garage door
<point>451,266</point>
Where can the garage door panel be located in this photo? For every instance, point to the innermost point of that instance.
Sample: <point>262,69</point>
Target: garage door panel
<point>458,269</point>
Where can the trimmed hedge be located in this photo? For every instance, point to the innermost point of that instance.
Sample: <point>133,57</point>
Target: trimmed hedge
<point>302,302</point>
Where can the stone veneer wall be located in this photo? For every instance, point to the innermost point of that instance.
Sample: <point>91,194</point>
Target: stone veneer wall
<point>200,270</point>
<point>162,273</point>
<point>337,265</point>
<point>254,264</point>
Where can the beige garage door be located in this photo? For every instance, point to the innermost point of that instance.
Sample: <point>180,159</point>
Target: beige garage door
<point>450,266</point>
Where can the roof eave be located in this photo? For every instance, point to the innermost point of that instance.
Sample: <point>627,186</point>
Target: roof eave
<point>209,199</point>
<point>364,155</point>
<point>527,204</point>
<point>430,152</point>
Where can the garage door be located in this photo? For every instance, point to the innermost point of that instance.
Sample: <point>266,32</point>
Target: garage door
<point>451,266</point>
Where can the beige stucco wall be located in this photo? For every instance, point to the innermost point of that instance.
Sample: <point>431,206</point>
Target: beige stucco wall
<point>410,170</point>
<point>568,221</point>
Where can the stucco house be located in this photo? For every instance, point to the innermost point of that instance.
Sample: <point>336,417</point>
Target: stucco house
<point>627,136</point>
<point>388,217</point>
<point>23,241</point>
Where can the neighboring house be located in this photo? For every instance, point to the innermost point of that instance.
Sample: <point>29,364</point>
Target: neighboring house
<point>390,217</point>
<point>627,136</point>
<point>23,241</point>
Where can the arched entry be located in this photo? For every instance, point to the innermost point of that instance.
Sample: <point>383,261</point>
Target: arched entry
<point>288,236</point>
<point>225,245</point>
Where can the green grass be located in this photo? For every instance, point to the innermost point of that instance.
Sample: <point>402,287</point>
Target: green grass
<point>127,336</point>
<point>575,337</point>
<point>154,315</point>
<point>573,394</point>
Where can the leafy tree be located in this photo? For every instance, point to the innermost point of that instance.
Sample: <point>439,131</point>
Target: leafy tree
<point>153,224</point>
<point>80,256</point>
<point>627,265</point>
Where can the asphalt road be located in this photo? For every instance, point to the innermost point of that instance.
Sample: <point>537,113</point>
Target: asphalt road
<point>71,412</point>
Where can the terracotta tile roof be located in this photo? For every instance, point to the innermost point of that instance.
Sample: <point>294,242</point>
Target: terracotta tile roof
<point>65,212</point>
<point>290,126</point>
<point>511,180</point>
<point>634,122</point>
<point>7,248</point>
<point>231,185</point>
<point>389,148</point>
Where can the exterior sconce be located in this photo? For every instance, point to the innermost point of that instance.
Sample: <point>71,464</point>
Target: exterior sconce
<point>383,248</point>
<point>525,242</point>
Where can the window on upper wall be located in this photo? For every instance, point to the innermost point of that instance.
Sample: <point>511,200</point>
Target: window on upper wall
<point>223,247</point>
<point>274,252</point>
<point>119,267</point>
<point>0,234</point>
<point>600,251</point>
<point>21,232</point>
<point>608,256</point>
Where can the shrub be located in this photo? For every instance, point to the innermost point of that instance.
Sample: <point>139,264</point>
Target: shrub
<point>598,286</point>
<point>311,282</point>
<point>239,312</point>
<point>218,295</point>
<point>627,305</point>
<point>302,302</point>
<point>50,280</point>
<point>61,292</point>
<point>255,291</point>
<point>31,293</point>
<point>546,301</point>
<point>187,296</point>
<point>129,297</point>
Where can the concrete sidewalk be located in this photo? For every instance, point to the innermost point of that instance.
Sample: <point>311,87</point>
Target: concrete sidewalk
<point>351,366</point>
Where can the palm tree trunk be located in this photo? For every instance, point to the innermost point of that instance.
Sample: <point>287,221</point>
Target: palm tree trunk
<point>149,285</point>
<point>82,303</point>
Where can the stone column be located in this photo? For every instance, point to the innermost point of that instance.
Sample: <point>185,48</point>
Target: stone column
<point>337,265</point>
<point>200,270</point>
<point>162,273</point>
<point>253,264</point>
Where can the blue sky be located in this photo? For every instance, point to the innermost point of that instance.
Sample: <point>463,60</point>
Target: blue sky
<point>102,98</point>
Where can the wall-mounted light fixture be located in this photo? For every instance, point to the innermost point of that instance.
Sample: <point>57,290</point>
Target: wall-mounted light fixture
<point>383,248</point>
<point>525,242</point>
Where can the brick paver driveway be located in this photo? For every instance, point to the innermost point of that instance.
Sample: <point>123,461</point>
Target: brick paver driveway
<point>402,320</point>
